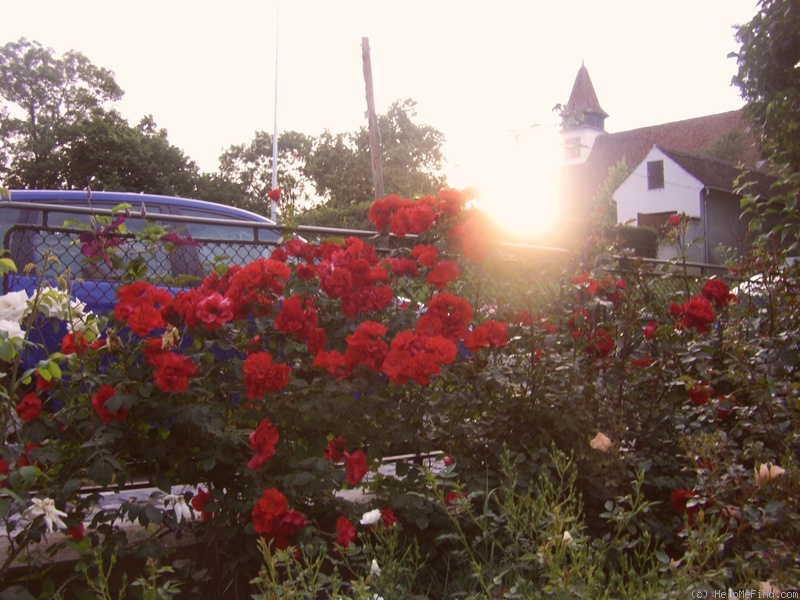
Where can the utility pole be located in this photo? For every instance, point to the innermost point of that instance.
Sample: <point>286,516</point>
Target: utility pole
<point>273,204</point>
<point>374,134</point>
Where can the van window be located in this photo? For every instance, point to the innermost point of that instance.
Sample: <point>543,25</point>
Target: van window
<point>243,247</point>
<point>67,248</point>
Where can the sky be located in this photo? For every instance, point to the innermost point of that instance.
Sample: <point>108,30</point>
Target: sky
<point>485,74</point>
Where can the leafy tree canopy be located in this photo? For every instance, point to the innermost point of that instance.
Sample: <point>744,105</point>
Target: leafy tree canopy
<point>47,101</point>
<point>769,78</point>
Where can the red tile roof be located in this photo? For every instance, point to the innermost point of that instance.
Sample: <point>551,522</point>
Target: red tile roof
<point>582,182</point>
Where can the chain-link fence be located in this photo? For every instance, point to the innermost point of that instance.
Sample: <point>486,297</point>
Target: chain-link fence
<point>97,262</point>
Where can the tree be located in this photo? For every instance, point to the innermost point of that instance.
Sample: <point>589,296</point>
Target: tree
<point>249,168</point>
<point>341,167</point>
<point>769,79</point>
<point>48,101</point>
<point>107,153</point>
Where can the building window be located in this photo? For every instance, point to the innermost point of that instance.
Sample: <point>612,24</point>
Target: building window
<point>655,175</point>
<point>572,148</point>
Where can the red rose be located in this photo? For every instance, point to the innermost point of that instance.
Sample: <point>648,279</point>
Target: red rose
<point>274,195</point>
<point>698,314</point>
<point>680,499</point>
<point>29,407</point>
<point>99,405</point>
<point>388,518</point>
<point>345,532</point>
<point>356,464</point>
<point>650,330</point>
<point>296,318</point>
<point>489,333</point>
<point>261,376</point>
<point>600,344</point>
<point>289,523</point>
<point>332,362</point>
<point>365,346</point>
<point>335,450</point>
<point>144,318</point>
<point>442,273</point>
<point>267,510</point>
<point>262,443</point>
<point>173,372</point>
<point>453,501</point>
<point>214,310</point>
<point>199,502</point>
<point>4,470</point>
<point>76,532</point>
<point>717,291</point>
<point>700,393</point>
<point>425,254</point>
<point>674,221</point>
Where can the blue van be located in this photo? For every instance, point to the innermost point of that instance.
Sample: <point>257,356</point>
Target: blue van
<point>36,225</point>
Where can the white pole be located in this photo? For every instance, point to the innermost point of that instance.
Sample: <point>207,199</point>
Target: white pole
<point>273,204</point>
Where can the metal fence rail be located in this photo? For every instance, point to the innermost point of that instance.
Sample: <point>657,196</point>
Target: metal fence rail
<point>55,250</point>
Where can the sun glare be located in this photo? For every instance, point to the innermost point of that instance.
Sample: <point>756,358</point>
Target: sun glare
<point>519,183</point>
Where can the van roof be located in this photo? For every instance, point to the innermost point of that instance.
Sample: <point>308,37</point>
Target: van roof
<point>49,196</point>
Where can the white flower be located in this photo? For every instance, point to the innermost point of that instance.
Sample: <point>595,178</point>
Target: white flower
<point>12,328</point>
<point>767,472</point>
<point>182,510</point>
<point>371,517</point>
<point>374,569</point>
<point>13,306</point>
<point>600,443</point>
<point>567,537</point>
<point>52,516</point>
<point>768,590</point>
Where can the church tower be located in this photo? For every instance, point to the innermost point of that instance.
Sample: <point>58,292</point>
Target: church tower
<point>582,119</point>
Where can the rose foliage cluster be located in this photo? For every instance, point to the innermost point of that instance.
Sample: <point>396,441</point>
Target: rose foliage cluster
<point>251,399</point>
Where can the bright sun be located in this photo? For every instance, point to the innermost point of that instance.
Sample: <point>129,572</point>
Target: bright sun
<point>518,186</point>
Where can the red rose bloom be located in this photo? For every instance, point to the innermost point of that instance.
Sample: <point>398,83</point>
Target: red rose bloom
<point>261,376</point>
<point>75,532</point>
<point>332,362</point>
<point>700,393</point>
<point>335,450</point>
<point>99,405</point>
<point>213,311</point>
<point>274,195</point>
<point>366,347</point>
<point>674,220</point>
<point>289,523</point>
<point>262,443</point>
<point>489,333</point>
<point>600,344</point>
<point>680,499</point>
<point>717,291</point>
<point>29,407</point>
<point>267,510</point>
<point>650,330</point>
<point>345,532</point>
<point>173,372</point>
<point>442,273</point>
<point>425,254</point>
<point>199,502</point>
<point>296,318</point>
<point>356,464</point>
<point>388,518</point>
<point>697,313</point>
<point>4,470</point>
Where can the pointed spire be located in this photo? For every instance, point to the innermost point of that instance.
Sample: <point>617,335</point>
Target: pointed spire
<point>583,108</point>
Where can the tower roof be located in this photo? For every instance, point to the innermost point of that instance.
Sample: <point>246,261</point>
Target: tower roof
<point>583,98</point>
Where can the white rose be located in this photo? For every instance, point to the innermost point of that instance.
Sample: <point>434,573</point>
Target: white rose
<point>12,328</point>
<point>13,306</point>
<point>371,517</point>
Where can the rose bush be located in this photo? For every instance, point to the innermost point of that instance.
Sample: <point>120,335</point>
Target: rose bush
<point>255,396</point>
